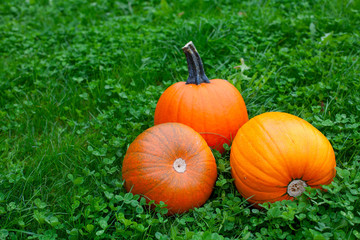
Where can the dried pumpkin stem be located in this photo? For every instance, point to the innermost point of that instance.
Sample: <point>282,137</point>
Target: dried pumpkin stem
<point>296,188</point>
<point>195,65</point>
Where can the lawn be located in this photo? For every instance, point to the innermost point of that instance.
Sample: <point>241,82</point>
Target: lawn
<point>79,81</point>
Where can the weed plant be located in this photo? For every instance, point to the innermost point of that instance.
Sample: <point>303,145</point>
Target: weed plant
<point>79,80</point>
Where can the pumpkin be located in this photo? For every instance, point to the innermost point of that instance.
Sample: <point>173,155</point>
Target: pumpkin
<point>214,108</point>
<point>274,156</point>
<point>172,163</point>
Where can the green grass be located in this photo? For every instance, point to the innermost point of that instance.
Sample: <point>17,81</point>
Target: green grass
<point>79,80</point>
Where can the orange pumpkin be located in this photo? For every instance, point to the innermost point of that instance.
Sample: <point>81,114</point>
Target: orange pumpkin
<point>275,155</point>
<point>171,163</point>
<point>213,108</point>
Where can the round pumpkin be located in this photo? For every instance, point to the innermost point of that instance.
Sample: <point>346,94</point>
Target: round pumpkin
<point>276,155</point>
<point>171,163</point>
<point>214,108</point>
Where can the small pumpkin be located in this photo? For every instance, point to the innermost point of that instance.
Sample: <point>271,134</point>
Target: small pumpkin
<point>275,155</point>
<point>171,163</point>
<point>214,108</point>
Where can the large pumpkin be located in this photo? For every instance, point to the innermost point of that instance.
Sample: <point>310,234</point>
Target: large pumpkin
<point>275,155</point>
<point>171,163</point>
<point>214,108</point>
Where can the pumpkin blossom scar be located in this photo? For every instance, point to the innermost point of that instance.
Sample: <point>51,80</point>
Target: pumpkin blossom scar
<point>179,165</point>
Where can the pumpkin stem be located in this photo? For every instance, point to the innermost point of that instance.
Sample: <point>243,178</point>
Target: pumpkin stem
<point>296,188</point>
<point>195,65</point>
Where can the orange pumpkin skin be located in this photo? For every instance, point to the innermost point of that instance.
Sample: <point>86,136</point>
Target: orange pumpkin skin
<point>213,108</point>
<point>171,163</point>
<point>216,110</point>
<point>275,155</point>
